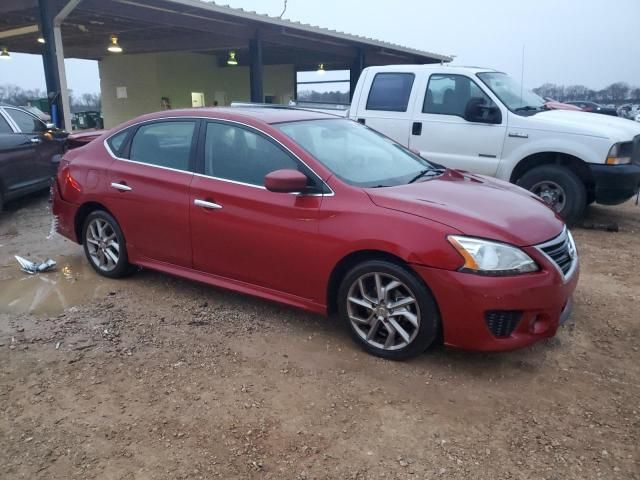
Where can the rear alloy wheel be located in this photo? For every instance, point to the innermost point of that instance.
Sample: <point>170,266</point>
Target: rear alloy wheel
<point>389,311</point>
<point>104,245</point>
<point>559,188</point>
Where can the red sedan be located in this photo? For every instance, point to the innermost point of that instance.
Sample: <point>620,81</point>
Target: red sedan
<point>327,215</point>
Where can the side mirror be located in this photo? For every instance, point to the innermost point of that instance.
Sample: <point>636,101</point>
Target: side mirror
<point>51,126</point>
<point>478,112</point>
<point>285,181</point>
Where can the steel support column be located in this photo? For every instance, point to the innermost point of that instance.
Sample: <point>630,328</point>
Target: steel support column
<point>256,70</point>
<point>355,72</point>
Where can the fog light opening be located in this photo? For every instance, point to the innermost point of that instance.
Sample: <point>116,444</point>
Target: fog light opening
<point>539,324</point>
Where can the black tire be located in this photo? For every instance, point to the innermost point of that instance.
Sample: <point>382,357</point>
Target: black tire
<point>122,267</point>
<point>422,336</point>
<point>574,190</point>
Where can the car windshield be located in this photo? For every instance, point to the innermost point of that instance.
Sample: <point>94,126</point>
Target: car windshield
<point>516,98</point>
<point>358,155</point>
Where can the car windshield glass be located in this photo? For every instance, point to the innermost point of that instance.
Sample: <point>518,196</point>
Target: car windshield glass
<point>358,155</point>
<point>516,98</point>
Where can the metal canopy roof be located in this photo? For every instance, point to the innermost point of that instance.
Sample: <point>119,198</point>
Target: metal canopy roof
<point>145,26</point>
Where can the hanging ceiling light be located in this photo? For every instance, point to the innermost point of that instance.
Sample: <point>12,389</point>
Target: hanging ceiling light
<point>232,60</point>
<point>41,40</point>
<point>321,70</point>
<point>113,46</point>
<point>4,54</point>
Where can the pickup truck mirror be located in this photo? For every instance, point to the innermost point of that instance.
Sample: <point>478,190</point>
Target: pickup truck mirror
<point>478,112</point>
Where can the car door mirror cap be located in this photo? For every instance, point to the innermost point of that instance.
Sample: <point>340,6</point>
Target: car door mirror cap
<point>285,181</point>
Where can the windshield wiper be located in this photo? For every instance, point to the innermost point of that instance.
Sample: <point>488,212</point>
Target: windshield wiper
<point>429,172</point>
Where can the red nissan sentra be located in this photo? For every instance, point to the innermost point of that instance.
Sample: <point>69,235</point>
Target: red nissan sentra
<point>324,214</point>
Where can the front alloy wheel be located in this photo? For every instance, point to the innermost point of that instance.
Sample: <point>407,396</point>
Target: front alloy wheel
<point>389,310</point>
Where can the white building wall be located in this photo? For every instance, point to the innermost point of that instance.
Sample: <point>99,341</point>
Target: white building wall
<point>149,77</point>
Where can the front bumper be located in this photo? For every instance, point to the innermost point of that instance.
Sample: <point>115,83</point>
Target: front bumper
<point>544,298</point>
<point>615,184</point>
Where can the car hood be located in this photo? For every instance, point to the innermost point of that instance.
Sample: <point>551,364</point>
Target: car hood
<point>475,205</point>
<point>579,123</point>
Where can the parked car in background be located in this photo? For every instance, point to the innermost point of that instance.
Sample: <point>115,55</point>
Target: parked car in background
<point>29,153</point>
<point>594,107</point>
<point>483,121</point>
<point>325,214</point>
<point>555,105</point>
<point>90,119</point>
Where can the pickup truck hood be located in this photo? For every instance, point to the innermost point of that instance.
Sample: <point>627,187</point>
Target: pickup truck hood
<point>475,205</point>
<point>579,123</point>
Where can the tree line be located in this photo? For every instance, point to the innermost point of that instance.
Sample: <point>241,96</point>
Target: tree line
<point>15,95</point>
<point>323,97</point>
<point>618,93</point>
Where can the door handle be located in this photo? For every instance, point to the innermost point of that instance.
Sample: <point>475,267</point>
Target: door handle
<point>35,140</point>
<point>123,187</point>
<point>416,128</point>
<point>206,204</point>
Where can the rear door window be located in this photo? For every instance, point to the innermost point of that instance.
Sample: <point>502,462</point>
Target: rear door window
<point>4,125</point>
<point>390,92</point>
<point>165,144</point>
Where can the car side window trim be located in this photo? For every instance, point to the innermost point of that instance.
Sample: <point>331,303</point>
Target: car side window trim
<point>9,121</point>
<point>19,130</point>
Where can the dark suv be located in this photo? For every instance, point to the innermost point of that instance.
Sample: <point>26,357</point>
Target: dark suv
<point>29,152</point>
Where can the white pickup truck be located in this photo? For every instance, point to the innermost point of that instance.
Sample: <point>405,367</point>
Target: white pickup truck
<point>482,121</point>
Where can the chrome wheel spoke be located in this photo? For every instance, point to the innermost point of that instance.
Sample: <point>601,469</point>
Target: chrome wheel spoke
<point>112,256</point>
<point>379,289</point>
<point>389,287</point>
<point>92,241</point>
<point>411,317</point>
<point>375,325</point>
<point>402,303</point>
<point>391,337</point>
<point>399,330</point>
<point>362,302</point>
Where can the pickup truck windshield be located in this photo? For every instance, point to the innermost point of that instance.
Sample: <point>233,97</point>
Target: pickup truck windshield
<point>357,155</point>
<point>516,98</point>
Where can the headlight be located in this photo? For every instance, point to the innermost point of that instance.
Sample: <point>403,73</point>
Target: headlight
<point>491,258</point>
<point>620,154</point>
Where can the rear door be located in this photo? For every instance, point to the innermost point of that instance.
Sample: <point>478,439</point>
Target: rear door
<point>16,158</point>
<point>149,189</point>
<point>384,103</point>
<point>445,136</point>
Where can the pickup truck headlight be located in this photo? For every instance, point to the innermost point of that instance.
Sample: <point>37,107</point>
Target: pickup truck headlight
<point>620,154</point>
<point>491,258</point>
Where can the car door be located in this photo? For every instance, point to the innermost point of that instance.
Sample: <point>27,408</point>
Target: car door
<point>45,145</point>
<point>149,189</point>
<point>443,131</point>
<point>239,229</point>
<point>386,107</point>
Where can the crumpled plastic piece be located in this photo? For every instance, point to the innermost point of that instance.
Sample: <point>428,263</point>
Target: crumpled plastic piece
<point>32,268</point>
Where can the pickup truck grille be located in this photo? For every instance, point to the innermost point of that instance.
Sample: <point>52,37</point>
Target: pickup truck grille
<point>562,252</point>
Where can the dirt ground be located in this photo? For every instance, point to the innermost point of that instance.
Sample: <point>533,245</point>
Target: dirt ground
<point>154,377</point>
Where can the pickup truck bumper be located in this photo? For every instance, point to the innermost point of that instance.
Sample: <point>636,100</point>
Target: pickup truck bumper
<point>615,184</point>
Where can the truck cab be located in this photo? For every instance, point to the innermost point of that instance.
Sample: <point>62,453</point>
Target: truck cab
<point>483,121</point>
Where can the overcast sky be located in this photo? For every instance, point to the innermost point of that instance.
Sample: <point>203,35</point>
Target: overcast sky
<point>589,42</point>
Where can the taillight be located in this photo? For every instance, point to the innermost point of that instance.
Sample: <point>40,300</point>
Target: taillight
<point>69,186</point>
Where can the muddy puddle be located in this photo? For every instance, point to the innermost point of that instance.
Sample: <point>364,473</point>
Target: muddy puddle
<point>73,282</point>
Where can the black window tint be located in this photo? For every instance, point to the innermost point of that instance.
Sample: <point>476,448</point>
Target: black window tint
<point>451,94</point>
<point>4,126</point>
<point>390,92</point>
<point>26,123</point>
<point>116,142</point>
<point>165,144</point>
<point>238,154</point>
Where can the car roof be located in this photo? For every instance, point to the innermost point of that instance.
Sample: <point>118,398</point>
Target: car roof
<point>432,66</point>
<point>264,114</point>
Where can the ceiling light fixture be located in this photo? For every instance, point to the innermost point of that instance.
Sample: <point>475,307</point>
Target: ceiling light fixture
<point>232,60</point>
<point>41,40</point>
<point>113,46</point>
<point>321,70</point>
<point>4,54</point>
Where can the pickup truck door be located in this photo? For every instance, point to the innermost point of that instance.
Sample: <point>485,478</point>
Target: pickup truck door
<point>385,102</point>
<point>440,131</point>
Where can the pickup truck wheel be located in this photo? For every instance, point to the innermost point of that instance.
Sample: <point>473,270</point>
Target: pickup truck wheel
<point>560,188</point>
<point>390,312</point>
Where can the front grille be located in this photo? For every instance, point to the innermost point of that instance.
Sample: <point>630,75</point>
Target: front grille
<point>561,251</point>
<point>502,323</point>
